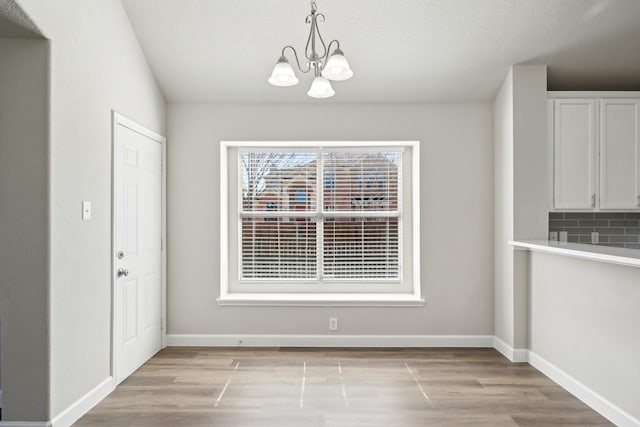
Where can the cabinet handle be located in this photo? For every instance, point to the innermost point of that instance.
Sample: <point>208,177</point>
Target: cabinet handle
<point>593,200</point>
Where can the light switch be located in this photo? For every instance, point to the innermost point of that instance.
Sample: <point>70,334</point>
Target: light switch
<point>86,209</point>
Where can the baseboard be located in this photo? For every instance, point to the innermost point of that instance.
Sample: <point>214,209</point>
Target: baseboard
<point>330,340</point>
<point>598,403</point>
<point>7,423</point>
<point>73,412</point>
<point>25,423</point>
<point>515,355</point>
<point>84,404</point>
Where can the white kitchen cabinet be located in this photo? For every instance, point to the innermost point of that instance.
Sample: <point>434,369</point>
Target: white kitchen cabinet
<point>619,154</point>
<point>595,152</point>
<point>574,154</point>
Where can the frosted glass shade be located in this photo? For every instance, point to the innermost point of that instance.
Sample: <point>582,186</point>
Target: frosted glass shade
<point>337,67</point>
<point>321,88</point>
<point>283,74</point>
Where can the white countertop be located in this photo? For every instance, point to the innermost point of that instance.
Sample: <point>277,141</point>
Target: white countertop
<point>623,256</point>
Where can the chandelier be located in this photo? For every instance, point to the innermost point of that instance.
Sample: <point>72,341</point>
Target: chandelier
<point>325,66</point>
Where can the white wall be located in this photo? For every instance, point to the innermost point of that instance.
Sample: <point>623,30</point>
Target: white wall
<point>530,175</point>
<point>584,320</point>
<point>520,185</point>
<point>456,209</point>
<point>530,201</point>
<point>24,232</point>
<point>503,211</point>
<point>97,65</point>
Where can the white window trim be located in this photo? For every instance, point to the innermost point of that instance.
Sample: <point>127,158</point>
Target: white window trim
<point>227,297</point>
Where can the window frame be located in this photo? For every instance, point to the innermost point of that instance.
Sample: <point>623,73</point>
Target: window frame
<point>368,292</point>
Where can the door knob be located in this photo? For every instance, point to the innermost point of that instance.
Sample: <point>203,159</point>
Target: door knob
<point>123,272</point>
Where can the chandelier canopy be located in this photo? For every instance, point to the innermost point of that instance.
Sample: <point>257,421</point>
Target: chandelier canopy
<point>326,65</point>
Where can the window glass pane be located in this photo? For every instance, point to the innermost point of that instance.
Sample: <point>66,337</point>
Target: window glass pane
<point>361,248</point>
<point>274,248</point>
<point>278,181</point>
<point>360,181</point>
<point>284,236</point>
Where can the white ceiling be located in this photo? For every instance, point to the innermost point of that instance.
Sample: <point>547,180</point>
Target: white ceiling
<point>401,51</point>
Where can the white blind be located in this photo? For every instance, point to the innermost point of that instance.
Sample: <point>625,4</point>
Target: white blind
<point>361,248</point>
<point>347,228</point>
<point>364,186</point>
<point>279,248</point>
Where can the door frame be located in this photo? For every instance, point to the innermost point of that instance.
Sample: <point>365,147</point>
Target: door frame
<point>120,119</point>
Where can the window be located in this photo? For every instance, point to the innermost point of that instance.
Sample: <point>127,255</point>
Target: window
<point>319,222</point>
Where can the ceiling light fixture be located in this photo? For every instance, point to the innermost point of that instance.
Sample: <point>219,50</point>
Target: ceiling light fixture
<point>325,66</point>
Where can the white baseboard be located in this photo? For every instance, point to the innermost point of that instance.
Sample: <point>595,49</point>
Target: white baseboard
<point>330,340</point>
<point>74,411</point>
<point>513,354</point>
<point>25,423</point>
<point>84,404</point>
<point>598,403</point>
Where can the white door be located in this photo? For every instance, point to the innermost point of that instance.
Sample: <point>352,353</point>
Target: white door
<point>620,154</point>
<point>574,154</point>
<point>137,261</point>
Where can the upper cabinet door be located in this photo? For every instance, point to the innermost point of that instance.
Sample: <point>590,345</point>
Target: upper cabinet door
<point>619,154</point>
<point>574,135</point>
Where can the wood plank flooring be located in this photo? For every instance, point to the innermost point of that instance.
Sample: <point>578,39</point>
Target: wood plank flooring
<point>337,387</point>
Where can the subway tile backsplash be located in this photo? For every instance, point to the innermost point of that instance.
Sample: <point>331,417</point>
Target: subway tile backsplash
<point>621,229</point>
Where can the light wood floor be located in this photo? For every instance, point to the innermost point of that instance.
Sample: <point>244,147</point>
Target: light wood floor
<point>337,387</point>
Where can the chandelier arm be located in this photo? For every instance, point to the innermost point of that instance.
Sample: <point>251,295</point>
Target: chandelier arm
<point>324,46</point>
<point>326,55</point>
<point>295,54</point>
<point>311,38</point>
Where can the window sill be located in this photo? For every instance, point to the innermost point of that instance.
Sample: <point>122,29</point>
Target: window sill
<point>322,300</point>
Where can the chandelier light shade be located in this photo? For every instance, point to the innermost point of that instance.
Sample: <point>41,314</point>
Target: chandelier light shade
<point>326,64</point>
<point>321,88</point>
<point>337,68</point>
<point>283,74</point>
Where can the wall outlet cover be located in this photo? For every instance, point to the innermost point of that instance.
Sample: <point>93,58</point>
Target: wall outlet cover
<point>86,209</point>
<point>333,323</point>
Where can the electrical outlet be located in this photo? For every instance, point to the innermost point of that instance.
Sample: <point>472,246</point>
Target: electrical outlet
<point>553,236</point>
<point>86,209</point>
<point>333,323</point>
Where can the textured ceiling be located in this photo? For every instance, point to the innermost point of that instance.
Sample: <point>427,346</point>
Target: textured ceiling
<point>401,51</point>
<point>14,23</point>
